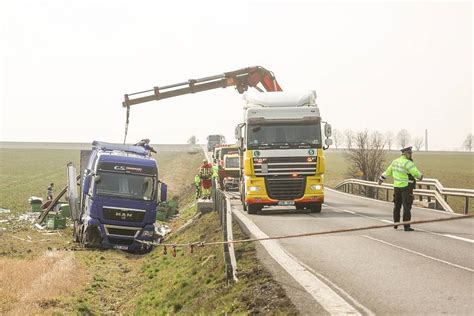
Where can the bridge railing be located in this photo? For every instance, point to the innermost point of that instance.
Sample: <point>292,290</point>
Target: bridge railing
<point>429,188</point>
<point>223,207</point>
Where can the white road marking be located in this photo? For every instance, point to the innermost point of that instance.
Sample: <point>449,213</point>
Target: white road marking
<point>391,222</point>
<point>419,254</point>
<point>459,238</point>
<point>354,301</point>
<point>333,303</point>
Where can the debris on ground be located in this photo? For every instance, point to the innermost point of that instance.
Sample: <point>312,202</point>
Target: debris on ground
<point>162,230</point>
<point>4,210</point>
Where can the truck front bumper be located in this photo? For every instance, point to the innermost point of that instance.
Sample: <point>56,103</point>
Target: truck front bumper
<point>120,237</point>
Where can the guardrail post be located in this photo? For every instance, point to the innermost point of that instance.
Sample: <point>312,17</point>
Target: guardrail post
<point>429,197</point>
<point>421,196</point>
<point>376,193</point>
<point>466,206</point>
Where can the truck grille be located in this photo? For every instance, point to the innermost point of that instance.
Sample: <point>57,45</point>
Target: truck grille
<point>126,215</point>
<point>124,232</point>
<point>285,188</point>
<point>285,166</point>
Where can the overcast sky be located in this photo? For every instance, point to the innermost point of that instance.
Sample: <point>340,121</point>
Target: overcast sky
<point>65,65</point>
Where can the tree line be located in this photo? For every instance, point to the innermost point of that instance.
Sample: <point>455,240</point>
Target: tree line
<point>403,139</point>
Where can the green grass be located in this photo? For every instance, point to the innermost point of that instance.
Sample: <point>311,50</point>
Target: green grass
<point>453,170</point>
<point>120,282</point>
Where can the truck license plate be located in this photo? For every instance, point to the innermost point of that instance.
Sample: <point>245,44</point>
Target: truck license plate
<point>286,203</point>
<point>121,247</point>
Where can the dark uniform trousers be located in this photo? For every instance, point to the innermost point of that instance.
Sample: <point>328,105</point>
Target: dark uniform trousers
<point>402,196</point>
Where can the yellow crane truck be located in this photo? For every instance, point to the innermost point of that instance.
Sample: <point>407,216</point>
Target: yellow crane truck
<point>281,146</point>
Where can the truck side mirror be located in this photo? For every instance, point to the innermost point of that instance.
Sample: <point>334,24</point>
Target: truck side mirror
<point>328,141</point>
<point>327,130</point>
<point>238,132</point>
<point>163,192</point>
<point>97,178</point>
<point>87,184</point>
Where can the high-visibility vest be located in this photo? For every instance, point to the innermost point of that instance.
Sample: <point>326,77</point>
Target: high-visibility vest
<point>399,169</point>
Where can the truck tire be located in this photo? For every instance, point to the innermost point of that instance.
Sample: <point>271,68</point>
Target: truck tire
<point>316,207</point>
<point>91,238</point>
<point>300,207</point>
<point>254,209</point>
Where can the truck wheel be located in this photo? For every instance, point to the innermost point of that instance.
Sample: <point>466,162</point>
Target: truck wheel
<point>254,209</point>
<point>316,207</point>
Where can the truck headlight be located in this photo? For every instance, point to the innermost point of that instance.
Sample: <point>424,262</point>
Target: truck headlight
<point>255,189</point>
<point>316,187</point>
<point>147,233</point>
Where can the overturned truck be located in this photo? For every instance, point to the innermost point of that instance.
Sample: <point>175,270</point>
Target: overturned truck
<point>115,206</point>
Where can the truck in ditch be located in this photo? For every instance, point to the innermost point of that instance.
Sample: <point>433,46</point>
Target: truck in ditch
<point>281,146</point>
<point>118,195</point>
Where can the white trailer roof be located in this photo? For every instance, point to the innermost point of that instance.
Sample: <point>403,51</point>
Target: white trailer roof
<point>280,99</point>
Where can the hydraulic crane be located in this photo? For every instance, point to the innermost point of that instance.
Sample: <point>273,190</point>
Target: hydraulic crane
<point>241,79</point>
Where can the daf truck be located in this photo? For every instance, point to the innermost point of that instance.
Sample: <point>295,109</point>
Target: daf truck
<point>281,149</point>
<point>117,200</point>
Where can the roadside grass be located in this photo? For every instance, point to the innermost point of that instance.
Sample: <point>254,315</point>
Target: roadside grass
<point>454,170</point>
<point>44,278</point>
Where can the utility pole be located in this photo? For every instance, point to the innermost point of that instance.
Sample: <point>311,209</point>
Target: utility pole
<point>426,139</point>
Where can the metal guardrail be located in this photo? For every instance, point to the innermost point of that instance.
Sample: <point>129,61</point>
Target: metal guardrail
<point>223,207</point>
<point>439,193</point>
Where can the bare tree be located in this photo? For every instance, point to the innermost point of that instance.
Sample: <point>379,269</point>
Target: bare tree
<point>467,144</point>
<point>418,142</point>
<point>348,138</point>
<point>403,138</point>
<point>192,140</point>
<point>337,136</point>
<point>366,158</point>
<point>389,139</point>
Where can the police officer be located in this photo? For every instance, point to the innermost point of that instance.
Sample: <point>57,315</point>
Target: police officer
<point>401,169</point>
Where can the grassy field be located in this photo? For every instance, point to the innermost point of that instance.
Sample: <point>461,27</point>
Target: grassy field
<point>111,281</point>
<point>454,170</point>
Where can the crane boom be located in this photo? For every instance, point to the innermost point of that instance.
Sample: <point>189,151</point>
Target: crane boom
<point>242,79</point>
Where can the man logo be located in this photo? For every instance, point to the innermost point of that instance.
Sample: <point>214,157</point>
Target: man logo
<point>311,152</point>
<point>123,215</point>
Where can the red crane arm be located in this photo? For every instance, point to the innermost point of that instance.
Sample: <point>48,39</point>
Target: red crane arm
<point>242,79</point>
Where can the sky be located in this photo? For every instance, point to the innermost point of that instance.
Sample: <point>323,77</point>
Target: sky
<point>380,66</point>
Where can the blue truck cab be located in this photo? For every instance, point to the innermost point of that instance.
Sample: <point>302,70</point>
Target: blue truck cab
<point>119,192</point>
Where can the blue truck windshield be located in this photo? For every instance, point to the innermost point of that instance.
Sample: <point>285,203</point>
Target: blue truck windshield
<point>126,186</point>
<point>284,136</point>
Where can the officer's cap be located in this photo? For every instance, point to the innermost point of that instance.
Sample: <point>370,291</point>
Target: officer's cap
<point>406,150</point>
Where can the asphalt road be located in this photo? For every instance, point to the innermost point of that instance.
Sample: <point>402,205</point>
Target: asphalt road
<point>381,271</point>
